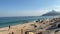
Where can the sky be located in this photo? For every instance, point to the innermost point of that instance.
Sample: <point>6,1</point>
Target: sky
<point>9,8</point>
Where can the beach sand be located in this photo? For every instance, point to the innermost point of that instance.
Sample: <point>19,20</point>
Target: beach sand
<point>16,29</point>
<point>22,28</point>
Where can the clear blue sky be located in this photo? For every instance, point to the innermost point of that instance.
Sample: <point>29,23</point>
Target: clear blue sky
<point>27,7</point>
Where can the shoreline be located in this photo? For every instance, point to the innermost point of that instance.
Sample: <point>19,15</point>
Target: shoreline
<point>3,26</point>
<point>7,27</point>
<point>16,28</point>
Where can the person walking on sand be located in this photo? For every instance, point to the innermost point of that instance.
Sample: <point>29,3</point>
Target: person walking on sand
<point>9,26</point>
<point>21,31</point>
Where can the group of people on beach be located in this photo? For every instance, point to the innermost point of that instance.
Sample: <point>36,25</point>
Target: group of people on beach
<point>41,21</point>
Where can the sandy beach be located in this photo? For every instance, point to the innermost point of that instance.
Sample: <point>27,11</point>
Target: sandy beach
<point>16,29</point>
<point>35,27</point>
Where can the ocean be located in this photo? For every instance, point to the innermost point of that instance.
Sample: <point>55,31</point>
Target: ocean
<point>6,21</point>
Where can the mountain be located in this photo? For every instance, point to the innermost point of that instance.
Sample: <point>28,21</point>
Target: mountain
<point>52,13</point>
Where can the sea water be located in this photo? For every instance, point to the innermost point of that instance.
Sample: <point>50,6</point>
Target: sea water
<point>6,21</point>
